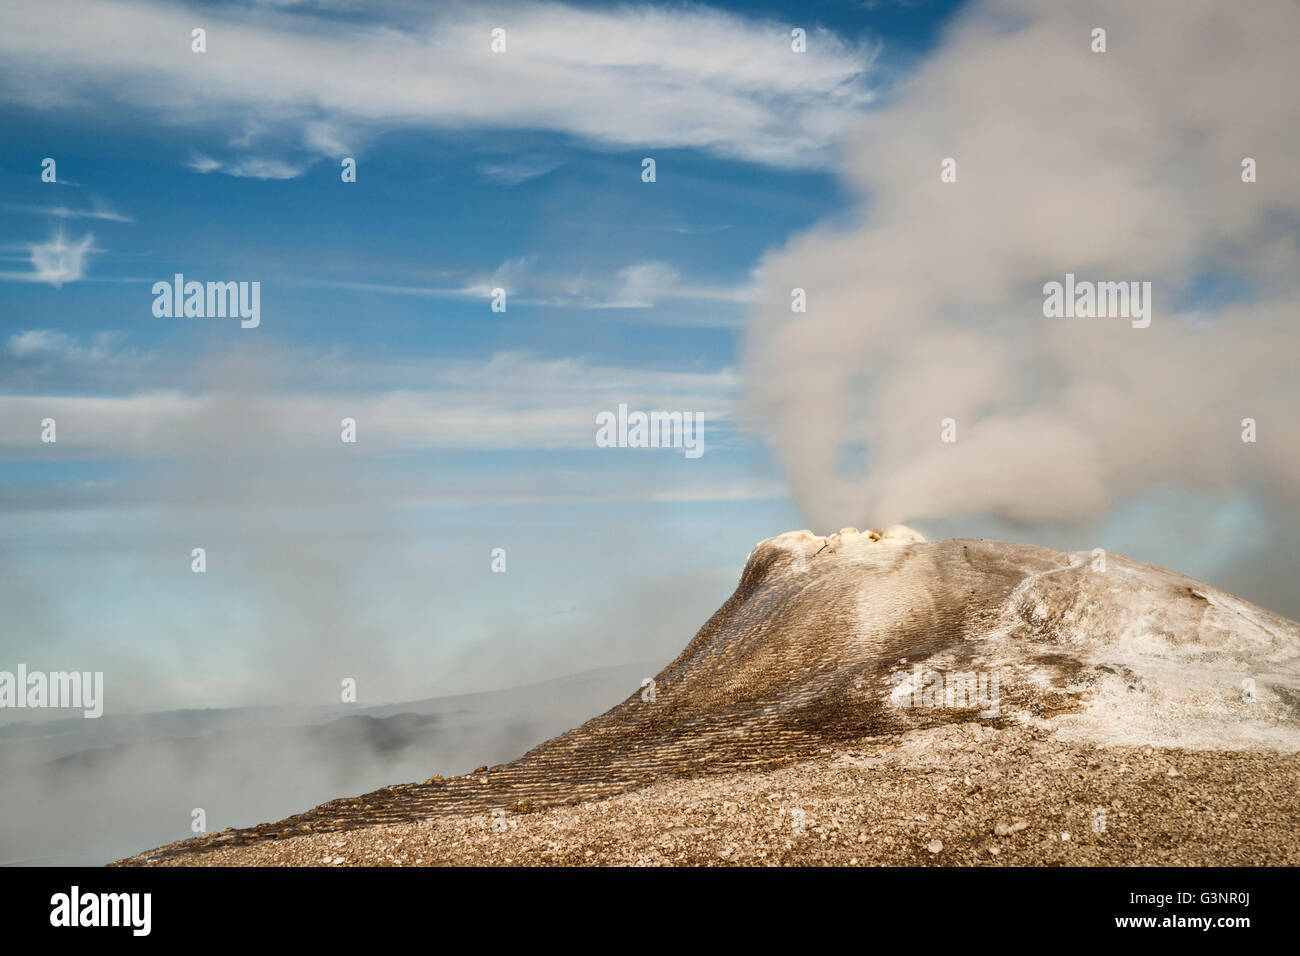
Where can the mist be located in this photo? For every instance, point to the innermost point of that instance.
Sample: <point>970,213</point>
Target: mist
<point>324,562</point>
<point>86,792</point>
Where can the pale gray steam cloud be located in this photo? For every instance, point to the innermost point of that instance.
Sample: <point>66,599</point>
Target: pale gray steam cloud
<point>1115,166</point>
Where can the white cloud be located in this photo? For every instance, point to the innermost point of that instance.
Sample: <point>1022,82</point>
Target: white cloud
<point>97,211</point>
<point>264,169</point>
<point>623,77</point>
<point>52,345</point>
<point>514,172</point>
<point>640,285</point>
<point>644,287</point>
<point>648,285</point>
<point>247,168</point>
<point>101,212</point>
<point>37,342</point>
<point>203,164</point>
<point>512,401</point>
<point>50,361</point>
<point>58,261</point>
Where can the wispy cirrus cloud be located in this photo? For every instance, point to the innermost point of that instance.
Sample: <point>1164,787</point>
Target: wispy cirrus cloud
<point>248,168</point>
<point>510,401</point>
<point>622,77</point>
<point>204,164</point>
<point>514,172</point>
<point>647,285</point>
<point>640,287</point>
<point>97,210</point>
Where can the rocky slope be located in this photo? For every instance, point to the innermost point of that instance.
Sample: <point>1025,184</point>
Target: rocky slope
<point>835,655</point>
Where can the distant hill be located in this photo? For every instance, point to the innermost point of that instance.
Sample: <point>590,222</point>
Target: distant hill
<point>80,791</point>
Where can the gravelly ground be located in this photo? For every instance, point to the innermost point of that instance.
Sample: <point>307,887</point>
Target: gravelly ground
<point>961,794</point>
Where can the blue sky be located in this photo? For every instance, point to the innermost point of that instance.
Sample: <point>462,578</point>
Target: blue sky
<point>475,427</point>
